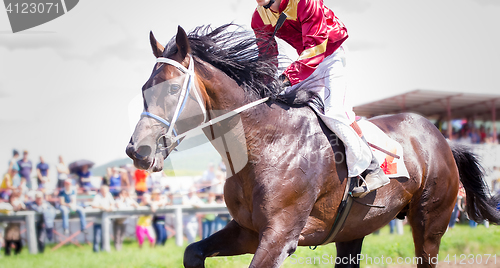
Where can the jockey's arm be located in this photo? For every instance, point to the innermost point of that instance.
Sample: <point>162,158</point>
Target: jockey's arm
<point>314,40</point>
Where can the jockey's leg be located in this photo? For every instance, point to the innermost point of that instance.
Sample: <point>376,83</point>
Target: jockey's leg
<point>375,177</point>
<point>338,107</point>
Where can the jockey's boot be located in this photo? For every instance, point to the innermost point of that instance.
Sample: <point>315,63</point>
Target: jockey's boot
<point>375,176</point>
<point>374,179</point>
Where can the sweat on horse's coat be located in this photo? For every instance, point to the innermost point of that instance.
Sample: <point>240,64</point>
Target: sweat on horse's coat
<point>288,192</point>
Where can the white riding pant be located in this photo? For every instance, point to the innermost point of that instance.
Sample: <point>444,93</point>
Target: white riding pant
<point>329,82</point>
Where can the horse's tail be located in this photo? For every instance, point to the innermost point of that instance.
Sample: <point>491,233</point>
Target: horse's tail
<point>480,204</point>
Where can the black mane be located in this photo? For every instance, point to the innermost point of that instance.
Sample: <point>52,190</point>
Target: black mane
<point>235,52</point>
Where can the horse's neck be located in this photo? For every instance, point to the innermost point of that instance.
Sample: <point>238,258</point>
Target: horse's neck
<point>222,93</point>
<point>228,137</point>
<point>243,140</point>
<point>246,136</point>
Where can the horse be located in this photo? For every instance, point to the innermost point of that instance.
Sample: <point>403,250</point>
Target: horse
<point>287,192</point>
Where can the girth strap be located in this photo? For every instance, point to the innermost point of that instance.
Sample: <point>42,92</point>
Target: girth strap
<point>343,211</point>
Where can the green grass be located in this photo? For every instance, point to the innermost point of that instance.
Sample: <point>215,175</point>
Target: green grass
<point>461,240</point>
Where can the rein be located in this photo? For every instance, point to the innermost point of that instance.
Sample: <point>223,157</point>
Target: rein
<point>186,88</point>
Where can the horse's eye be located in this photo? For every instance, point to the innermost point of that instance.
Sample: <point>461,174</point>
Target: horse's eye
<point>174,88</point>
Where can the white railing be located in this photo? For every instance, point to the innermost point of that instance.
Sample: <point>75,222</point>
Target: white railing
<point>177,210</point>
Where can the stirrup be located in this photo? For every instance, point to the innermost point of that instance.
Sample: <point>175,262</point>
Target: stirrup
<point>363,181</point>
<point>364,185</point>
<point>364,188</point>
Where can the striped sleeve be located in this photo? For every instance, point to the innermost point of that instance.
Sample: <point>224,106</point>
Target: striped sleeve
<point>314,37</point>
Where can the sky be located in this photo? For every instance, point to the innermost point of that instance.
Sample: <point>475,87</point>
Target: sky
<point>67,87</point>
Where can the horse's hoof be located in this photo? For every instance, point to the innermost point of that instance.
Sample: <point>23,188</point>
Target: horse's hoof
<point>193,257</point>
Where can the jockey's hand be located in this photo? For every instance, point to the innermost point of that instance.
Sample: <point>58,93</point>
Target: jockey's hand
<point>284,82</point>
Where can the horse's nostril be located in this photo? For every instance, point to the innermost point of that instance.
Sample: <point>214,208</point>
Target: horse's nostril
<point>144,151</point>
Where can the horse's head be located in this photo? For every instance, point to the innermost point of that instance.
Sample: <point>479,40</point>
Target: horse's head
<point>173,105</point>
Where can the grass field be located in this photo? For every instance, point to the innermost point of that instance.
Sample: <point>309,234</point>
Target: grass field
<point>461,240</point>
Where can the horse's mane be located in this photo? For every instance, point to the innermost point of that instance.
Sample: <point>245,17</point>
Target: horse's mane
<point>235,52</point>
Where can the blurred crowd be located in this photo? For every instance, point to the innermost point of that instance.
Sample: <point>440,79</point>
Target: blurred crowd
<point>125,187</point>
<point>76,191</point>
<point>468,132</point>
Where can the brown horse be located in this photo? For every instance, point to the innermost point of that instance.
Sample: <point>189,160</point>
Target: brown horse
<point>288,191</point>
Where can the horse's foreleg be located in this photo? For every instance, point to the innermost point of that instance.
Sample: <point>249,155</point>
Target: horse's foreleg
<point>276,244</point>
<point>348,253</point>
<point>232,240</point>
<point>279,235</point>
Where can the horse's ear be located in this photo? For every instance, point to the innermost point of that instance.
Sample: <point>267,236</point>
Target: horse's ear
<point>182,43</point>
<point>155,45</point>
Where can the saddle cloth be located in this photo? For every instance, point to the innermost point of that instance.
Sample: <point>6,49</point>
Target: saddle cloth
<point>392,167</point>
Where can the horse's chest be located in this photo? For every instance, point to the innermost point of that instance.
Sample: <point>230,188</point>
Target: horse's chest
<point>239,202</point>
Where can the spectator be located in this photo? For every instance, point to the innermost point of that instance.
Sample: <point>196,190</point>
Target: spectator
<point>159,201</point>
<point>84,178</point>
<point>123,201</point>
<point>222,219</point>
<point>62,173</point>
<point>45,223</point>
<point>458,207</point>
<point>68,203</point>
<point>25,168</point>
<point>495,180</point>
<point>396,225</point>
<point>208,221</point>
<point>105,202</point>
<point>124,174</point>
<point>143,222</point>
<point>2,242</point>
<point>157,181</point>
<point>190,220</point>
<point>42,174</point>
<point>218,183</point>
<point>208,178</point>
<point>13,165</point>
<point>24,191</point>
<point>115,180</point>
<point>140,182</point>
<point>13,230</point>
<point>13,160</point>
<point>482,134</point>
<point>7,185</point>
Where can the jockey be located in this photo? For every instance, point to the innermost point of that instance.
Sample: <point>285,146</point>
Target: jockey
<point>317,35</point>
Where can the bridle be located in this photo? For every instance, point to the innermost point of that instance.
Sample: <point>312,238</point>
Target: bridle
<point>184,95</point>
